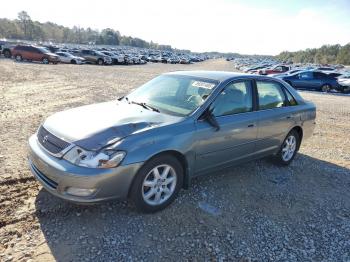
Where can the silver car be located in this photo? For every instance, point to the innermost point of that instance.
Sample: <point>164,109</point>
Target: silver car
<point>148,145</point>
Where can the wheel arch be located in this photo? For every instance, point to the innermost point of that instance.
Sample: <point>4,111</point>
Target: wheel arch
<point>180,157</point>
<point>299,130</point>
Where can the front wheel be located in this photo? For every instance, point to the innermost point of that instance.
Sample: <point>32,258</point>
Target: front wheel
<point>288,149</point>
<point>7,54</point>
<point>45,61</point>
<point>157,184</point>
<point>326,88</point>
<point>100,61</point>
<point>18,58</point>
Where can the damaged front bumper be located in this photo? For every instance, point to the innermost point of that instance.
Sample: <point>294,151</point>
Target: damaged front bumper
<point>61,177</point>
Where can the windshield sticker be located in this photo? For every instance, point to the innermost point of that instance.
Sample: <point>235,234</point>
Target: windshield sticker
<point>201,84</point>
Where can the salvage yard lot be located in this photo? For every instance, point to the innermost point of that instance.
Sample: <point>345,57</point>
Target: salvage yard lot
<point>254,211</point>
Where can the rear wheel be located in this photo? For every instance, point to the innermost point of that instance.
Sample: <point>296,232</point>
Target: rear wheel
<point>326,88</point>
<point>157,184</point>
<point>45,61</point>
<point>288,149</point>
<point>7,54</point>
<point>18,58</point>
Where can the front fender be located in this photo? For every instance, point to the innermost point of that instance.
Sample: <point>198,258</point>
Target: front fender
<point>178,137</point>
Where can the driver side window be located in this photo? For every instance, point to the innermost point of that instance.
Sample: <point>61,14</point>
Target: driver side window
<point>234,99</point>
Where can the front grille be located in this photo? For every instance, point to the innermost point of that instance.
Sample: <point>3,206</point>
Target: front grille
<point>49,182</point>
<point>51,143</point>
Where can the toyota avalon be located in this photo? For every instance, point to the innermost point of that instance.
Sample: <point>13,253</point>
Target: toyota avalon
<point>147,145</point>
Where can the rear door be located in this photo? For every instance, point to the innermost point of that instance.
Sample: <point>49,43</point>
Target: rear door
<point>276,118</point>
<point>235,140</point>
<point>23,51</point>
<point>36,54</point>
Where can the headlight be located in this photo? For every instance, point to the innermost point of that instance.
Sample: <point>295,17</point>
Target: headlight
<point>107,158</point>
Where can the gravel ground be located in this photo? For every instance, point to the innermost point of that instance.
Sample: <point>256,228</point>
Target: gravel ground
<point>253,212</point>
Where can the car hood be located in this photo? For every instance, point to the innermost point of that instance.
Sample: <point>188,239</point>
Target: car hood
<point>52,54</point>
<point>344,81</point>
<point>95,126</point>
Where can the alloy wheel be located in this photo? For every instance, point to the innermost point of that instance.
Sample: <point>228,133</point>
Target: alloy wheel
<point>289,147</point>
<point>159,185</point>
<point>326,88</point>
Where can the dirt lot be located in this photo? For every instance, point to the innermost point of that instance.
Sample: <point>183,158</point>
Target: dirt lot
<point>254,212</point>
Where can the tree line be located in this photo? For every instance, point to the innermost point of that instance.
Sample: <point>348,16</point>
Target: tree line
<point>327,54</point>
<point>25,28</point>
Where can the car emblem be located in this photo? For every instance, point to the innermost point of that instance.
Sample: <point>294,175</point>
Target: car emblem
<point>45,139</point>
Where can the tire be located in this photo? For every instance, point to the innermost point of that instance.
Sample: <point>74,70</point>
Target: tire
<point>7,54</point>
<point>18,58</point>
<point>45,61</point>
<point>289,149</point>
<point>346,90</point>
<point>326,88</point>
<point>100,61</point>
<point>151,192</point>
<point>73,62</point>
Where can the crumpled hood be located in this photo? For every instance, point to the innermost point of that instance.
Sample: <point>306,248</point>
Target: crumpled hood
<point>94,126</point>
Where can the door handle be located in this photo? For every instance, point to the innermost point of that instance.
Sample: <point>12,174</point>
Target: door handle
<point>288,117</point>
<point>251,125</point>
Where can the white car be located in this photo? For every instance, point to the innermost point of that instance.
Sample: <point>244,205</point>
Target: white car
<point>66,57</point>
<point>344,82</point>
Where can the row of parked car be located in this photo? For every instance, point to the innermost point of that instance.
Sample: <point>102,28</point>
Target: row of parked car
<point>95,55</point>
<point>301,76</point>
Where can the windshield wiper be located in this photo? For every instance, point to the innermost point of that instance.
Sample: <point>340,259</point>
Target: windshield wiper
<point>144,105</point>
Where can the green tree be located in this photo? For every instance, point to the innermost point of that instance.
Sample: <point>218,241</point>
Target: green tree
<point>25,21</point>
<point>343,56</point>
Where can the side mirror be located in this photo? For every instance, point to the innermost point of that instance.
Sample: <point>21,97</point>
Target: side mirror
<point>210,118</point>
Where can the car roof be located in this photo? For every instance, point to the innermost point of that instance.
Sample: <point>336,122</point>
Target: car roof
<point>214,75</point>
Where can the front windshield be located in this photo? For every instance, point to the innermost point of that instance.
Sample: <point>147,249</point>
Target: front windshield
<point>174,94</point>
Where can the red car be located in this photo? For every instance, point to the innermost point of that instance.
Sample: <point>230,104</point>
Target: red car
<point>34,53</point>
<point>274,70</point>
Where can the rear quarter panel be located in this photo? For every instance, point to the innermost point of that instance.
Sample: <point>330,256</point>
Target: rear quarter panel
<point>308,119</point>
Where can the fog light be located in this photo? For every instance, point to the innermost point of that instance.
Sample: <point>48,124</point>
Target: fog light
<point>80,191</point>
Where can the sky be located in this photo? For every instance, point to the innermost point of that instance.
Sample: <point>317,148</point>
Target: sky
<point>243,26</point>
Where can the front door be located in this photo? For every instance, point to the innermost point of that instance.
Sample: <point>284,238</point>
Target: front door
<point>235,140</point>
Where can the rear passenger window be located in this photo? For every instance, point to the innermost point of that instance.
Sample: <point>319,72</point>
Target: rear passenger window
<point>270,95</point>
<point>235,98</point>
<point>291,99</point>
<point>305,75</point>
